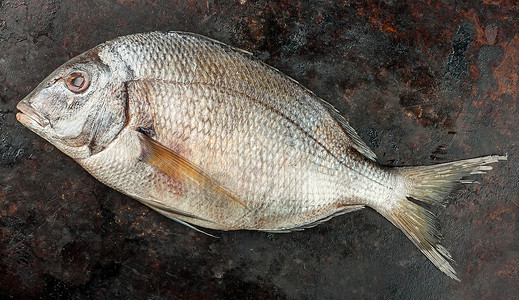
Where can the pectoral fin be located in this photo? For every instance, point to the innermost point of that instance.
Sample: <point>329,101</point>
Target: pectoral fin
<point>177,166</point>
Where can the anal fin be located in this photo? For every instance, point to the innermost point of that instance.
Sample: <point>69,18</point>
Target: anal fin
<point>313,223</point>
<point>166,210</point>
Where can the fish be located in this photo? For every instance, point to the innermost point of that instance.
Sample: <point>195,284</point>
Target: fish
<point>211,137</point>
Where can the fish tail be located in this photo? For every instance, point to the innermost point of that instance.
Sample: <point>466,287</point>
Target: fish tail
<point>430,185</point>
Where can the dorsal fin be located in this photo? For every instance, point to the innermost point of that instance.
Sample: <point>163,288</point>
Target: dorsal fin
<point>358,143</point>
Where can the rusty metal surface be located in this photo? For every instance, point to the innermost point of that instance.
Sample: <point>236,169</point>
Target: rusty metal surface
<point>421,82</point>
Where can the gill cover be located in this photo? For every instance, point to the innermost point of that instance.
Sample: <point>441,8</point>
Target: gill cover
<point>84,106</point>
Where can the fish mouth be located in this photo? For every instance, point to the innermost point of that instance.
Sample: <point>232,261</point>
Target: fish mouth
<point>29,116</point>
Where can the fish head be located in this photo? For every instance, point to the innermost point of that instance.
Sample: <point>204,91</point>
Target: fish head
<point>79,108</point>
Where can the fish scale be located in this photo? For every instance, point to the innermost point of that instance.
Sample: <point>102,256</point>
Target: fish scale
<point>207,135</point>
<point>246,138</point>
<point>190,125</point>
<point>219,67</point>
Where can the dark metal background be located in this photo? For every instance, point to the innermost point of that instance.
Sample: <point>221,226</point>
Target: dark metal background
<point>422,82</point>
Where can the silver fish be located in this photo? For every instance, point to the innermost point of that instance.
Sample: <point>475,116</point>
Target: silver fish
<point>207,135</point>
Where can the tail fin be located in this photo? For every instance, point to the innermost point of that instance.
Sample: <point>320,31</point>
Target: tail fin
<point>430,184</point>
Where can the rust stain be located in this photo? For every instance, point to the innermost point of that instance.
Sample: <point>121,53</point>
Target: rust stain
<point>484,30</point>
<point>13,208</point>
<point>507,72</point>
<point>499,221</point>
<point>424,36</point>
<point>500,2</point>
<point>488,34</point>
<point>127,1</point>
<point>375,14</point>
<point>511,270</point>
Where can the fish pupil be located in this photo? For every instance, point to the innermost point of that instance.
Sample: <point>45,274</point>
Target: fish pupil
<point>78,81</point>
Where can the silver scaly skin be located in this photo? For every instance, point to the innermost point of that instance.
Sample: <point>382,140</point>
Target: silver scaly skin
<point>207,135</point>
<point>245,121</point>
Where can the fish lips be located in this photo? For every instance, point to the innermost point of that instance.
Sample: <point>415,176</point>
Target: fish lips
<point>29,117</point>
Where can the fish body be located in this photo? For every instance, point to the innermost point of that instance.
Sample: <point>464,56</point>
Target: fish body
<point>207,135</point>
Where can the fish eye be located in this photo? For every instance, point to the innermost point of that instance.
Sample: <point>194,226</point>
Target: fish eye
<point>78,81</point>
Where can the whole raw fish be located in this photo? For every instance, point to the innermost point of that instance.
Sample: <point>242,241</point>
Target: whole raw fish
<point>206,135</point>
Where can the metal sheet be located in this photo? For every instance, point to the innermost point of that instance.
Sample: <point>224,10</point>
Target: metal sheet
<point>421,83</point>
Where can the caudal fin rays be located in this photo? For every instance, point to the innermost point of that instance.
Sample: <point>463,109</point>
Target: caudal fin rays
<point>430,184</point>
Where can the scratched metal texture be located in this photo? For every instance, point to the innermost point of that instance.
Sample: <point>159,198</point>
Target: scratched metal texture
<point>421,82</point>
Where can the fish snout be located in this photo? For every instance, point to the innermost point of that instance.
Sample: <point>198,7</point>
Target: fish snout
<point>28,115</point>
